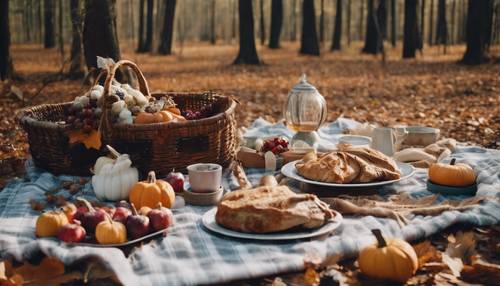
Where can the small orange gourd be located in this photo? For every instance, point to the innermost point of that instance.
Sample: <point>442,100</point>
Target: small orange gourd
<point>69,210</point>
<point>455,175</point>
<point>392,259</point>
<point>110,232</point>
<point>166,116</point>
<point>148,118</point>
<point>49,223</point>
<point>151,192</point>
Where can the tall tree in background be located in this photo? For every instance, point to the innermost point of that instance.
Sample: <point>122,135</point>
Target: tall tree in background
<point>373,36</point>
<point>5,59</point>
<point>453,24</point>
<point>431,24</point>
<point>322,21</point>
<point>361,19</point>
<point>393,23</point>
<point>293,22</point>
<point>382,18</point>
<point>309,39</point>
<point>262,26</point>
<point>337,32</point>
<point>410,41</point>
<point>48,9</point>
<point>442,29</point>
<point>76,68</point>
<point>140,45</point>
<point>247,53</point>
<point>276,23</point>
<point>213,34</point>
<point>99,33</point>
<point>168,28</point>
<point>478,32</point>
<point>349,22</point>
<point>148,42</point>
<point>60,35</point>
<point>422,25</point>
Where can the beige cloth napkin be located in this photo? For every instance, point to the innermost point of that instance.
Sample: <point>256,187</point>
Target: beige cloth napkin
<point>424,157</point>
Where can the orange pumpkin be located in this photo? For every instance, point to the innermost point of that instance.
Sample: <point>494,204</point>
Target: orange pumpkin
<point>151,192</point>
<point>456,175</point>
<point>148,118</point>
<point>49,223</point>
<point>174,110</point>
<point>166,116</point>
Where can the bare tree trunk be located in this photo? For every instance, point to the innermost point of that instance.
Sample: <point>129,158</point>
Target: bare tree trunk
<point>6,69</point>
<point>309,39</point>
<point>76,68</point>
<point>393,23</point>
<point>410,29</point>
<point>276,23</point>
<point>140,46</point>
<point>262,29</point>
<point>337,32</point>
<point>293,22</point>
<point>322,22</point>
<point>61,32</point>
<point>213,34</point>
<point>422,24</point>
<point>99,35</point>
<point>361,19</point>
<point>168,28</point>
<point>453,24</point>
<point>349,22</point>
<point>48,8</point>
<point>431,24</point>
<point>148,42</point>
<point>442,29</point>
<point>479,28</point>
<point>373,37</point>
<point>247,53</point>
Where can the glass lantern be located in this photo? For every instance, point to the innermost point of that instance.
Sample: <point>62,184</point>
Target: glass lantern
<point>304,112</point>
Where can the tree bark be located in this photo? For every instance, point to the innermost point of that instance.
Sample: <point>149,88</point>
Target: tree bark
<point>140,45</point>
<point>478,31</point>
<point>213,34</point>
<point>361,19</point>
<point>322,21</point>
<point>99,34</point>
<point>337,32</point>
<point>5,59</point>
<point>309,39</point>
<point>247,53</point>
<point>410,41</point>
<point>148,41</point>
<point>422,24</point>
<point>453,24</point>
<point>276,23</point>
<point>293,22</point>
<point>431,24</point>
<point>49,41</point>
<point>168,28</point>
<point>382,18</point>
<point>442,29</point>
<point>60,35</point>
<point>349,22</point>
<point>373,37</point>
<point>76,68</point>
<point>393,23</point>
<point>262,29</point>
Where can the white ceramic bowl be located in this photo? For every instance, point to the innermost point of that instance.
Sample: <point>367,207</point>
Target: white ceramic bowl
<point>205,177</point>
<point>421,136</point>
<point>356,140</point>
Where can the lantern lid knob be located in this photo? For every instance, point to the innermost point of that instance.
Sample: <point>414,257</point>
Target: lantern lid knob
<point>303,85</point>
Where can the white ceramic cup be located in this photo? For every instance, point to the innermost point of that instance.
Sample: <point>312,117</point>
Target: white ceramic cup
<point>387,140</point>
<point>205,177</point>
<point>356,140</point>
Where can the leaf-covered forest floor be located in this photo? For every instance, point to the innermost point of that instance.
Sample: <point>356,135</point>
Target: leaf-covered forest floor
<point>433,90</point>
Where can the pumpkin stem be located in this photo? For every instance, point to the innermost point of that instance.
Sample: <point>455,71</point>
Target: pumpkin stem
<point>87,204</point>
<point>151,177</point>
<point>159,206</point>
<point>134,210</point>
<point>113,151</point>
<point>380,239</point>
<point>453,160</point>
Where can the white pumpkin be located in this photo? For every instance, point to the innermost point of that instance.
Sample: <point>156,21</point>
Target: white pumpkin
<point>113,179</point>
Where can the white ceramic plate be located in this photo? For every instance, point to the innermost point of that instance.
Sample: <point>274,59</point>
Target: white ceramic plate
<point>208,221</point>
<point>290,171</point>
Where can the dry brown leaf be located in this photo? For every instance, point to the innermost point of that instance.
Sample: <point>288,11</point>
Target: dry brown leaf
<point>90,140</point>
<point>426,252</point>
<point>48,268</point>
<point>311,276</point>
<point>462,245</point>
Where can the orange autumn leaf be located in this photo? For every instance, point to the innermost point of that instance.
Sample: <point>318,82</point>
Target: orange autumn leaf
<point>90,140</point>
<point>49,268</point>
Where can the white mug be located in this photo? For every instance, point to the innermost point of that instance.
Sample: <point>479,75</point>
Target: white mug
<point>205,177</point>
<point>388,140</point>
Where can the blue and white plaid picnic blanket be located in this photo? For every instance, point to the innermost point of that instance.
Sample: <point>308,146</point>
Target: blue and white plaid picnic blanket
<point>191,255</point>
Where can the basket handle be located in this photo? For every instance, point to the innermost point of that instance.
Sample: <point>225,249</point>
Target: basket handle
<point>104,125</point>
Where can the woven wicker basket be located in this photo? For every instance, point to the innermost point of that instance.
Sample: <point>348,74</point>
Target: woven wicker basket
<point>159,146</point>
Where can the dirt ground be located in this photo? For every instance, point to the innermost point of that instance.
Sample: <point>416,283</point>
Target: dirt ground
<point>433,90</point>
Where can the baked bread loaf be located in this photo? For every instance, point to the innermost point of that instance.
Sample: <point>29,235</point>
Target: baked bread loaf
<point>269,209</point>
<point>349,164</point>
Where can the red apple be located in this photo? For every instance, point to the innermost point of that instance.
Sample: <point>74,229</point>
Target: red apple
<point>123,204</point>
<point>161,218</point>
<point>121,214</point>
<point>176,179</point>
<point>80,212</point>
<point>72,232</point>
<point>137,225</point>
<point>93,217</point>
